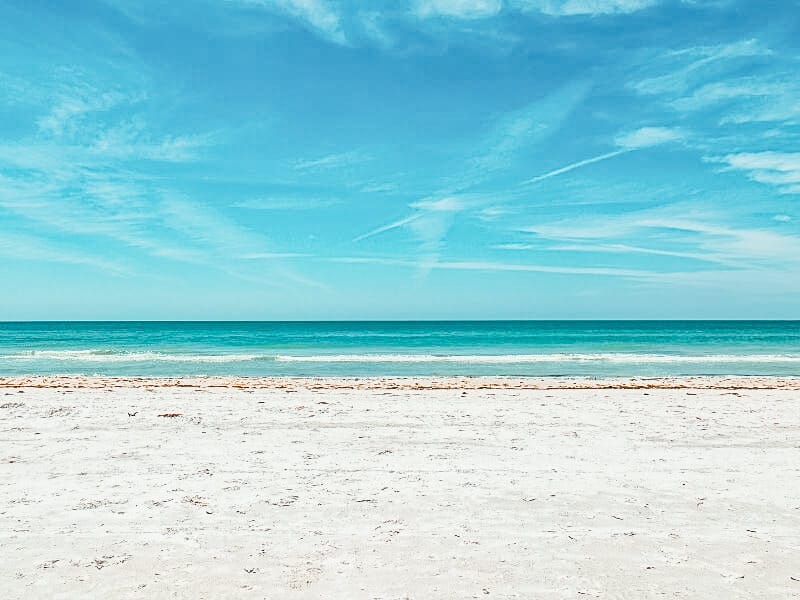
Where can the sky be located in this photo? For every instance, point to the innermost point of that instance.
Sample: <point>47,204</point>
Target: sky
<point>413,159</point>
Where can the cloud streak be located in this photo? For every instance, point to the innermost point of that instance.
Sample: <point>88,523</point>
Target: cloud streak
<point>780,169</point>
<point>647,137</point>
<point>461,9</point>
<point>567,8</point>
<point>576,165</point>
<point>319,15</point>
<point>284,203</point>
<point>681,230</point>
<point>429,224</point>
<point>482,9</point>
<point>388,227</point>
<point>691,66</point>
<point>489,266</point>
<point>526,128</point>
<point>640,139</point>
<point>34,248</point>
<point>92,175</point>
<point>331,161</point>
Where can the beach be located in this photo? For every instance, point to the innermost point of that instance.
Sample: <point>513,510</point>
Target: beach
<point>424,487</point>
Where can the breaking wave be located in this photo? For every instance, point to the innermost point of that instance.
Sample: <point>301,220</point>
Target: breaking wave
<point>112,356</point>
<point>608,357</point>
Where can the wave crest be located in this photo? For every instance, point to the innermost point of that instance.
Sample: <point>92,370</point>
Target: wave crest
<point>541,358</point>
<point>102,356</point>
<point>112,356</point>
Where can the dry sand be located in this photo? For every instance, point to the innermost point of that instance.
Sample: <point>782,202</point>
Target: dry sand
<point>395,488</point>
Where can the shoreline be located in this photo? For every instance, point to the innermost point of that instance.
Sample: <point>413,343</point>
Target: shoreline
<point>447,382</point>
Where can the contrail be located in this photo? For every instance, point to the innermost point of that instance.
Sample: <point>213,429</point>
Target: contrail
<point>566,169</point>
<point>394,225</point>
<point>576,165</point>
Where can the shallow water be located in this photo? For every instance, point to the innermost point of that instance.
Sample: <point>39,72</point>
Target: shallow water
<point>536,348</point>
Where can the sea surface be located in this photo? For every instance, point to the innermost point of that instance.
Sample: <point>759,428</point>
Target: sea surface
<point>514,348</point>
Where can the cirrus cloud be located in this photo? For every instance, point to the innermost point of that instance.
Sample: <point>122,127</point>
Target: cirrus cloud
<point>648,136</point>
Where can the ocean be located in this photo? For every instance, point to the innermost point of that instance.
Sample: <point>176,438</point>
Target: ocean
<point>362,349</point>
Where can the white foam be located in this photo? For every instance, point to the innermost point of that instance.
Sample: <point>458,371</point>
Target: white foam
<point>108,356</point>
<point>103,356</point>
<point>543,358</point>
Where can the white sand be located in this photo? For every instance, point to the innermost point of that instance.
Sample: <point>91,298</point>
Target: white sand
<point>309,489</point>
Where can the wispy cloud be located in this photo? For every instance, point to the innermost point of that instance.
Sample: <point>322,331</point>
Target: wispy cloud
<point>722,87</point>
<point>63,184</point>
<point>379,188</point>
<point>92,122</point>
<point>429,224</point>
<point>630,249</point>
<point>528,126</point>
<point>441,205</point>
<point>116,214</point>
<point>763,89</point>
<point>495,266</point>
<point>607,248</point>
<point>639,139</point>
<point>738,243</point>
<point>512,133</point>
<point>432,217</point>
<point>583,7</point>
<point>517,246</point>
<point>35,248</point>
<point>74,105</point>
<point>331,161</point>
<point>765,98</point>
<point>209,227</point>
<point>785,162</point>
<point>481,265</point>
<point>319,15</point>
<point>492,213</point>
<point>273,255</point>
<point>130,141</point>
<point>371,24</point>
<point>478,9</point>
<point>694,66</point>
<point>92,174</point>
<point>649,136</point>
<point>285,203</point>
<point>388,227</point>
<point>781,169</point>
<point>680,230</point>
<point>768,287</point>
<point>462,9</point>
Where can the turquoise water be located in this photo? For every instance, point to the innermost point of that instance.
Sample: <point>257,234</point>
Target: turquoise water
<point>519,348</point>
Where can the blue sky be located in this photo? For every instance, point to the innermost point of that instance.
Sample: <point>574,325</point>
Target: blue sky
<point>324,159</point>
